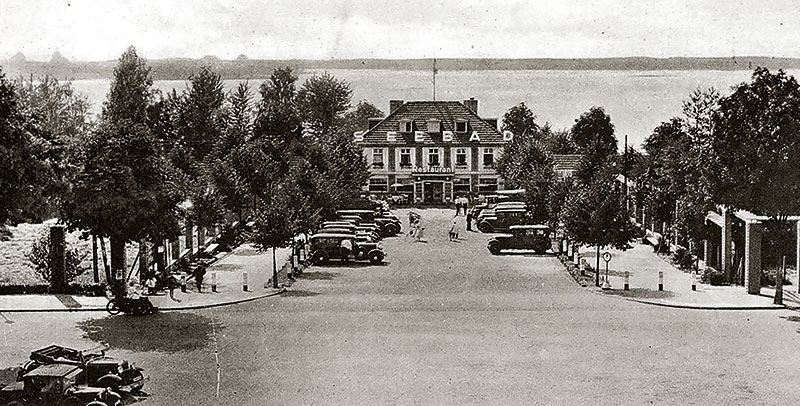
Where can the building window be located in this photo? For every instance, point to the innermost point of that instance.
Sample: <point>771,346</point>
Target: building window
<point>405,157</point>
<point>488,157</point>
<point>461,157</point>
<point>461,186</point>
<point>406,126</point>
<point>378,185</point>
<point>433,126</point>
<point>461,126</point>
<point>377,157</point>
<point>487,184</point>
<point>433,156</point>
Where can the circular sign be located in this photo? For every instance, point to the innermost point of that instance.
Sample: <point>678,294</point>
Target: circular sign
<point>606,256</point>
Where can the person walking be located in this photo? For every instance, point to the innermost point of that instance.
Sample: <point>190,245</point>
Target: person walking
<point>454,231</point>
<point>469,220</point>
<point>199,273</point>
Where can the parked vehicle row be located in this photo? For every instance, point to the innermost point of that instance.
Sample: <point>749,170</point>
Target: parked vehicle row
<point>354,236</point>
<point>56,375</point>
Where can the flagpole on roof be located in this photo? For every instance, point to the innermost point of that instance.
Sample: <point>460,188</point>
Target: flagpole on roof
<point>434,79</point>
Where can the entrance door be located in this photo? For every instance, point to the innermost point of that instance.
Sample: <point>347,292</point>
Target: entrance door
<point>433,192</point>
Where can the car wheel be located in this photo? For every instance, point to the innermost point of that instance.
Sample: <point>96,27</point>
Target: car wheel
<point>375,257</point>
<point>109,381</point>
<point>113,307</point>
<point>320,258</point>
<point>73,401</point>
<point>494,247</point>
<point>485,227</point>
<point>541,245</point>
<point>361,254</point>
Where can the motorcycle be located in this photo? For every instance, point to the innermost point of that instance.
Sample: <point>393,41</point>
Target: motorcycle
<point>141,306</point>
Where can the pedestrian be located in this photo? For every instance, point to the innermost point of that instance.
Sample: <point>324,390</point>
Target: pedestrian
<point>454,231</point>
<point>172,283</point>
<point>346,246</point>
<point>469,220</point>
<point>419,230</point>
<point>150,283</point>
<point>199,273</point>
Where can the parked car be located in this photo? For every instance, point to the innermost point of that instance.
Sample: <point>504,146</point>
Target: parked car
<point>502,219</point>
<point>100,371</point>
<point>328,246</point>
<point>360,235</point>
<point>490,211</point>
<point>529,236</point>
<point>52,384</point>
<point>388,223</point>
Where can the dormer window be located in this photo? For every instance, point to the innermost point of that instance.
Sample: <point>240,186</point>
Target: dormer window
<point>433,126</point>
<point>461,126</point>
<point>406,126</point>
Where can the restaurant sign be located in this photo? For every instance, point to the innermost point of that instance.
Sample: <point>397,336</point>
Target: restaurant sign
<point>431,169</point>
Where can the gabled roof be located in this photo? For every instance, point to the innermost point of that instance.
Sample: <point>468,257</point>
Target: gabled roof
<point>447,112</point>
<point>566,162</point>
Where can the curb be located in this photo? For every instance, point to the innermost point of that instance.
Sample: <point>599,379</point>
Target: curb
<point>160,309</point>
<point>697,307</point>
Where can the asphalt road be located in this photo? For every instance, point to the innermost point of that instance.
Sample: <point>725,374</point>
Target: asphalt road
<point>441,323</point>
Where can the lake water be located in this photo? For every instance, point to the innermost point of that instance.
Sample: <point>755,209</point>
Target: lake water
<point>637,101</point>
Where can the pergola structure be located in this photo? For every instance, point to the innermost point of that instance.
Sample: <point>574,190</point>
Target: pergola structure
<point>752,245</point>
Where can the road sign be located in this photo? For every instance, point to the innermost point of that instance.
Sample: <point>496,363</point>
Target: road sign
<point>607,256</point>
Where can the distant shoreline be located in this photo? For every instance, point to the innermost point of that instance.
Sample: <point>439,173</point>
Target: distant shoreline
<point>243,68</point>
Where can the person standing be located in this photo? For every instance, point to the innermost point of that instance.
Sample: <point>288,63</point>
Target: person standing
<point>199,273</point>
<point>454,231</point>
<point>469,220</point>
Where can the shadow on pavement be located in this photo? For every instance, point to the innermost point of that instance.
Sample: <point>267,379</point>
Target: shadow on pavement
<point>165,332</point>
<point>317,276</point>
<point>641,293</point>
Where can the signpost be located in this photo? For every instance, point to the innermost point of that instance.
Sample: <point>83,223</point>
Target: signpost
<point>607,258</point>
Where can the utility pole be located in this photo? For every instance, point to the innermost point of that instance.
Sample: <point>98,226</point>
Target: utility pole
<point>435,71</point>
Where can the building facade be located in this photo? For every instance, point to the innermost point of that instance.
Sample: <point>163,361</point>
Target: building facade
<point>431,152</point>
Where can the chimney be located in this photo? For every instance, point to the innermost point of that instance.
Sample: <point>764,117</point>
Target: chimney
<point>471,104</point>
<point>492,122</point>
<point>373,121</point>
<point>394,105</point>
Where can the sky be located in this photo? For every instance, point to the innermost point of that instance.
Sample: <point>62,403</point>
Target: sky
<point>285,29</point>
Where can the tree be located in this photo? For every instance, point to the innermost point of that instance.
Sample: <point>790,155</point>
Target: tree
<point>527,164</point>
<point>62,119</point>
<point>519,120</point>
<point>322,102</point>
<point>593,215</point>
<point>202,116</point>
<point>357,119</point>
<point>130,93</point>
<point>755,141</point>
<point>25,157</point>
<point>593,134</point>
<point>126,189</point>
<point>277,118</point>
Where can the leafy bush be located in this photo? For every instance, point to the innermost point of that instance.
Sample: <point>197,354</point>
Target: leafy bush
<point>683,258</point>
<point>713,277</point>
<point>39,255</point>
<point>768,277</point>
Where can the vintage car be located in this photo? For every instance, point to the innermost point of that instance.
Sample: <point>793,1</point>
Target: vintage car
<point>490,211</point>
<point>389,224</point>
<point>100,371</point>
<point>360,235</point>
<point>486,202</point>
<point>52,384</point>
<point>529,236</point>
<point>328,246</point>
<point>503,218</point>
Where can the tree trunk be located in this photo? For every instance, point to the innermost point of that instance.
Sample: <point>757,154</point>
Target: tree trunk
<point>95,267</point>
<point>274,270</point>
<point>118,263</point>
<point>597,269</point>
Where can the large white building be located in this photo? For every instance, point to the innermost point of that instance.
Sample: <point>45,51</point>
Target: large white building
<point>432,151</point>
